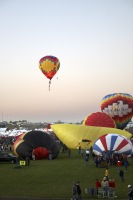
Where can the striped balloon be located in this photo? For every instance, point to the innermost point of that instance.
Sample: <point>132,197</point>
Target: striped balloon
<point>112,142</point>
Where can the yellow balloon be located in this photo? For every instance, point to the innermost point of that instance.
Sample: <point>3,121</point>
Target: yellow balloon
<point>73,135</point>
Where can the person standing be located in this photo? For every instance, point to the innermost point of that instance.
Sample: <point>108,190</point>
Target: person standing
<point>27,161</point>
<point>107,173</point>
<point>69,152</point>
<point>97,184</point>
<point>121,174</point>
<point>87,153</point>
<point>125,162</point>
<point>79,191</point>
<point>86,160</point>
<point>119,165</point>
<point>113,184</point>
<point>105,186</point>
<point>74,191</point>
<point>79,150</point>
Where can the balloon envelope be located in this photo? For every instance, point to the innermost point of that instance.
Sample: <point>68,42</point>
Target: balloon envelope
<point>27,142</point>
<point>120,107</point>
<point>99,119</point>
<point>73,135</point>
<point>40,153</point>
<point>49,65</point>
<point>112,142</point>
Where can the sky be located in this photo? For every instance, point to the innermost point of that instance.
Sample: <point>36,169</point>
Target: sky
<point>93,39</point>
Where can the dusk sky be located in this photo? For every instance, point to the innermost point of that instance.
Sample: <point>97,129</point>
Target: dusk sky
<point>93,39</point>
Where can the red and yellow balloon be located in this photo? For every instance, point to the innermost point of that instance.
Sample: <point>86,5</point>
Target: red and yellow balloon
<point>49,65</point>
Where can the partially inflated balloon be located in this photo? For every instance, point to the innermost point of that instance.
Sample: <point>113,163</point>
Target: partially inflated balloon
<point>120,107</point>
<point>73,135</point>
<point>99,119</point>
<point>112,142</point>
<point>37,141</point>
<point>40,153</point>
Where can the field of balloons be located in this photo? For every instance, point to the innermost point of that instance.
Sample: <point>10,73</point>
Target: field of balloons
<point>103,131</point>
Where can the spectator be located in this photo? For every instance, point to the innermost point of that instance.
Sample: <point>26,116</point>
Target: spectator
<point>113,184</point>
<point>97,184</point>
<point>74,191</point>
<point>107,173</point>
<point>86,160</point>
<point>119,165</point>
<point>69,152</point>
<point>105,186</point>
<point>27,161</point>
<point>82,152</point>
<point>98,161</point>
<point>110,183</point>
<point>79,150</point>
<point>79,191</point>
<point>130,192</point>
<point>125,163</point>
<point>87,153</point>
<point>121,174</point>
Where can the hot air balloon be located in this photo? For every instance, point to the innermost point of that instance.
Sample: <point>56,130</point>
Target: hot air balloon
<point>38,142</point>
<point>112,143</point>
<point>120,107</point>
<point>99,119</point>
<point>73,135</point>
<point>49,65</point>
<point>40,153</point>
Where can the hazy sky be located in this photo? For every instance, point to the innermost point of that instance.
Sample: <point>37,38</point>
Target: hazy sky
<point>93,40</point>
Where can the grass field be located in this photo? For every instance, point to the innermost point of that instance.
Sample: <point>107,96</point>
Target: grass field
<point>54,178</point>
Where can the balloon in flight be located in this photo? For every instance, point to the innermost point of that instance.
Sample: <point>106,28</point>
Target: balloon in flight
<point>49,65</point>
<point>120,107</point>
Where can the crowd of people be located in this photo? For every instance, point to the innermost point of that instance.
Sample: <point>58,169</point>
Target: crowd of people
<point>108,187</point>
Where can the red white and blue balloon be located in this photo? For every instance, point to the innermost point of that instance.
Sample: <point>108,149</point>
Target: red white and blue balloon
<point>112,143</point>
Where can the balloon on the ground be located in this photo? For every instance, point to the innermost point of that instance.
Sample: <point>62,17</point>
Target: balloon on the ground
<point>99,119</point>
<point>120,107</point>
<point>28,142</point>
<point>49,65</point>
<point>40,153</point>
<point>112,143</point>
<point>73,135</point>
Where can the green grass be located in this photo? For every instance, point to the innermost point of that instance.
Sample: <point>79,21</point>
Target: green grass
<point>54,178</point>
